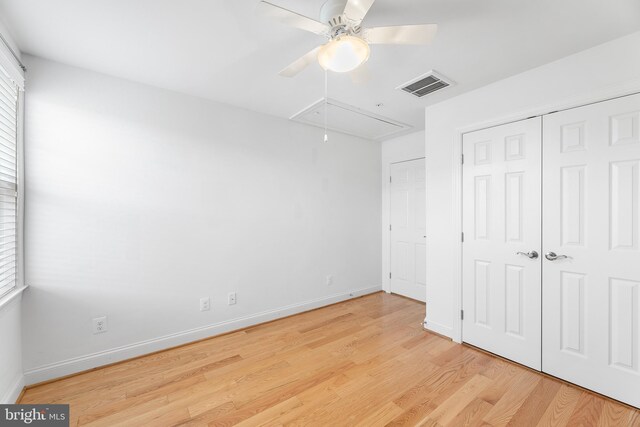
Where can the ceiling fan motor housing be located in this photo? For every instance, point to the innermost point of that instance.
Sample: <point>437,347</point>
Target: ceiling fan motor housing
<point>331,10</point>
<point>332,13</point>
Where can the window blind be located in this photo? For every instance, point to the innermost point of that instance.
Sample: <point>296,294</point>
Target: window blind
<point>8,182</point>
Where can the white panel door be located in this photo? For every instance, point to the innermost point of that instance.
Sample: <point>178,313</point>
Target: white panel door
<point>501,224</point>
<point>591,212</point>
<point>408,227</point>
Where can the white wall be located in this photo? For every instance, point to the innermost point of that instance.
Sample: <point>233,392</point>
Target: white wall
<point>11,380</point>
<point>140,201</point>
<point>7,36</point>
<point>603,71</point>
<point>406,147</point>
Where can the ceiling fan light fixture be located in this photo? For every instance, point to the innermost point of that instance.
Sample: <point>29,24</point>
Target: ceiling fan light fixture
<point>343,54</point>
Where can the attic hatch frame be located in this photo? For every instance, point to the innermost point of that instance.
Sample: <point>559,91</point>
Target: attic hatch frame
<point>301,117</point>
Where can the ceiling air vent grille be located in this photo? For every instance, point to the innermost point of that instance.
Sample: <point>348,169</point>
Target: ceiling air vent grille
<point>425,84</point>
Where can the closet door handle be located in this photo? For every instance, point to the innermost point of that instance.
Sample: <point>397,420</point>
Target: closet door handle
<point>531,255</point>
<point>552,256</point>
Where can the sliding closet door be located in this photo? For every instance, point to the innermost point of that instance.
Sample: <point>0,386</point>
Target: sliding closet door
<point>591,270</point>
<point>501,224</point>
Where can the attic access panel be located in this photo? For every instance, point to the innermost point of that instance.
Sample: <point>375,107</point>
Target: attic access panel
<point>350,120</point>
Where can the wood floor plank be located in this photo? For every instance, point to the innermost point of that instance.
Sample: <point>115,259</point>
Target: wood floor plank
<point>587,411</point>
<point>273,414</point>
<point>613,414</point>
<point>512,400</point>
<point>472,414</point>
<point>363,362</point>
<point>380,417</point>
<point>450,408</point>
<point>536,402</point>
<point>277,395</point>
<point>423,399</point>
<point>561,407</point>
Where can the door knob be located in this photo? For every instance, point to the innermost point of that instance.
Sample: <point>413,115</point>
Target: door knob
<point>552,256</point>
<point>531,255</point>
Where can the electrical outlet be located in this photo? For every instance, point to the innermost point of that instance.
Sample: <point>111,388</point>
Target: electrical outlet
<point>329,280</point>
<point>232,298</point>
<point>100,325</point>
<point>205,304</point>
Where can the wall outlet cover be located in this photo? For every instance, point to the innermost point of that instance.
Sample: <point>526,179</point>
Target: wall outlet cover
<point>100,325</point>
<point>232,298</point>
<point>205,304</point>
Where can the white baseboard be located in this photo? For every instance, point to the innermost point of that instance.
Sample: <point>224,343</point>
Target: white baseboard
<point>90,361</point>
<point>12,394</point>
<point>438,328</point>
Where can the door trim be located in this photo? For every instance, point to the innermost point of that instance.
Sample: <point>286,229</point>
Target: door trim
<point>407,160</point>
<point>619,91</point>
<point>409,150</point>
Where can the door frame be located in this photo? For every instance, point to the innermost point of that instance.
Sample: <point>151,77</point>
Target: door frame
<point>569,103</point>
<point>387,229</point>
<point>408,149</point>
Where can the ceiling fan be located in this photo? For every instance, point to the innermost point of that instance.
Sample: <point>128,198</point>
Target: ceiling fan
<point>347,45</point>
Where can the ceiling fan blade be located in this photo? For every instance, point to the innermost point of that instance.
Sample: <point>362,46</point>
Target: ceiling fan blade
<point>356,10</point>
<point>361,75</point>
<point>300,63</point>
<point>288,17</point>
<point>402,34</point>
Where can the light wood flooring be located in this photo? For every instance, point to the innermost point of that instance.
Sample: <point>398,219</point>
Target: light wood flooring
<point>364,362</point>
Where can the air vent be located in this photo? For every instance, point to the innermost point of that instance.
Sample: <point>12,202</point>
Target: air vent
<point>426,84</point>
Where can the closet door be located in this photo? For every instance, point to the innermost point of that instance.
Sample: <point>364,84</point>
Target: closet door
<point>591,270</point>
<point>501,249</point>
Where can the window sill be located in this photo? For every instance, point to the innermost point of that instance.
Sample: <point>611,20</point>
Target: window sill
<point>5,300</point>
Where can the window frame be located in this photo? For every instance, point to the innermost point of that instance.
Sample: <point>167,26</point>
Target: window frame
<point>14,71</point>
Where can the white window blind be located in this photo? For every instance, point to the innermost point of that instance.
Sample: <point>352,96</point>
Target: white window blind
<point>8,182</point>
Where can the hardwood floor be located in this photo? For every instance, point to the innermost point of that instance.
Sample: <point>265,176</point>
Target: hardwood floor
<point>364,362</point>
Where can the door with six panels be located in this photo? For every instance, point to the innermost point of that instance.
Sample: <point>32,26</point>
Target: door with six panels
<point>501,249</point>
<point>408,230</point>
<point>591,235</point>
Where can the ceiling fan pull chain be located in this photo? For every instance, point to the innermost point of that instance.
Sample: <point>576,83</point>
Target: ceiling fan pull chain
<point>326,90</point>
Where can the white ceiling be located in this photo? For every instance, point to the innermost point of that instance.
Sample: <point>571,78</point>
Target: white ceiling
<point>219,49</point>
